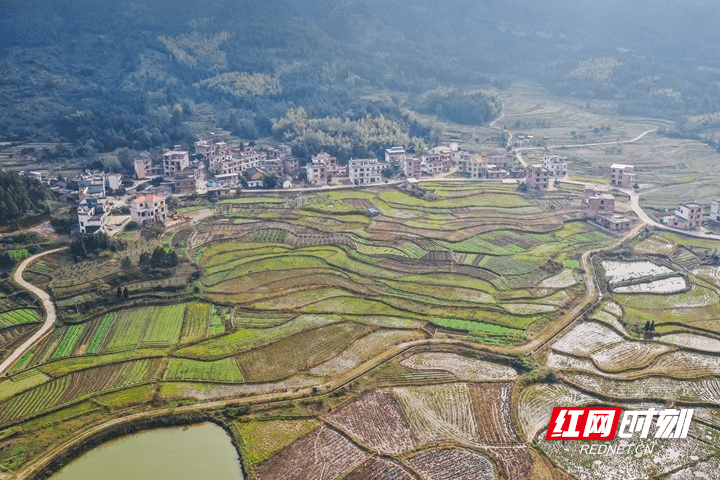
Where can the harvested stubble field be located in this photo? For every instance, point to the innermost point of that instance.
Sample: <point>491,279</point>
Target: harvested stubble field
<point>453,463</point>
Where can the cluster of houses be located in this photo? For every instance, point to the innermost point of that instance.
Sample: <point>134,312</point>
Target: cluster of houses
<point>90,189</point>
<point>492,164</point>
<point>221,168</point>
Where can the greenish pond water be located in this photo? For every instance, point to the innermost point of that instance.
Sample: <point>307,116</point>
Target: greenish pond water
<point>198,452</point>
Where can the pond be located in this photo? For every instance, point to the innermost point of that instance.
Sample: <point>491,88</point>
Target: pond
<point>189,453</point>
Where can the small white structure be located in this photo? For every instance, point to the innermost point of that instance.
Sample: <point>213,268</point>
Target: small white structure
<point>148,209</point>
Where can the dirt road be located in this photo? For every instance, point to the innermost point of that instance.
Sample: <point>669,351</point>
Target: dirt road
<point>48,306</point>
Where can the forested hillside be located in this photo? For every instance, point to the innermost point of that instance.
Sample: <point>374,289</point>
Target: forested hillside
<point>133,74</point>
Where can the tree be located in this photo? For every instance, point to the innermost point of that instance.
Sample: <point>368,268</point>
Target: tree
<point>126,264</point>
<point>126,294</point>
<point>119,292</point>
<point>6,261</point>
<point>270,181</point>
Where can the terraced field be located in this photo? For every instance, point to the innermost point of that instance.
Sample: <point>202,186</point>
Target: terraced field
<point>293,292</point>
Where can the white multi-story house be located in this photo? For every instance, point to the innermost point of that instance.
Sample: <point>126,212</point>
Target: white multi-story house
<point>363,171</point>
<point>556,165</point>
<point>474,166</point>
<point>92,215</point>
<point>148,209</point>
<point>175,160</point>
<point>395,155</point>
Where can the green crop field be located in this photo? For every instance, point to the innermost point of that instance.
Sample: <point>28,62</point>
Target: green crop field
<point>18,317</point>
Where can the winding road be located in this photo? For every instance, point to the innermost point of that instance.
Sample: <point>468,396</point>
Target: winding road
<point>48,305</point>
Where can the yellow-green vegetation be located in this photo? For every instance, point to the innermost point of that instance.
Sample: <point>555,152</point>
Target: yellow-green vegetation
<point>262,439</point>
<point>18,317</point>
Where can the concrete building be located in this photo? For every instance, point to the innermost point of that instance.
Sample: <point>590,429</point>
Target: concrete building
<point>143,166</point>
<point>92,215</point>
<point>229,180</point>
<point>148,209</point>
<point>475,167</point>
<point>175,160</point>
<point>395,155</point>
<point>687,217</point>
<point>556,165</point>
<point>205,148</point>
<point>185,182</point>
<point>291,165</point>
<point>537,178</point>
<point>715,210</point>
<point>412,166</point>
<point>439,160</point>
<point>615,222</point>
<point>599,204</point>
<point>364,171</point>
<point>410,185</point>
<point>622,176</point>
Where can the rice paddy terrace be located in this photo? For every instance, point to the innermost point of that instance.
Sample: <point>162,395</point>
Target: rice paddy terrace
<point>334,344</point>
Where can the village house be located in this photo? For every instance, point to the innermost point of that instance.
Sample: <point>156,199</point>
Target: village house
<point>205,148</point>
<point>475,167</point>
<point>556,165</point>
<point>439,159</point>
<point>254,177</point>
<point>148,209</point>
<point>364,171</point>
<point>615,222</point>
<point>537,178</point>
<point>291,165</point>
<point>622,176</point>
<point>317,170</point>
<point>145,167</point>
<point>92,215</point>
<point>688,217</point>
<point>395,156</point>
<point>598,202</point>
<point>411,185</point>
<point>175,160</point>
<point>280,151</point>
<point>715,210</point>
<point>412,166</point>
<point>229,180</point>
<point>185,182</point>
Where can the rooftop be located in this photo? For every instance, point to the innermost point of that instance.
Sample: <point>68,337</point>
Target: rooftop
<point>149,198</point>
